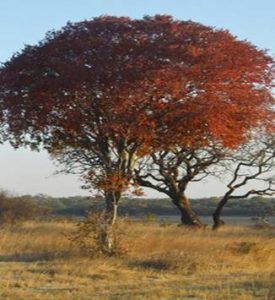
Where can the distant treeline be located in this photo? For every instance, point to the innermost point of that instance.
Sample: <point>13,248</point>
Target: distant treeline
<point>79,206</point>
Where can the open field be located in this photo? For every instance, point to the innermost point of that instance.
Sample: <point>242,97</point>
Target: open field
<point>38,261</point>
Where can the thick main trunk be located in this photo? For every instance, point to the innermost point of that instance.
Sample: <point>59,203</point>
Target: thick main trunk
<point>218,222</point>
<point>188,216</point>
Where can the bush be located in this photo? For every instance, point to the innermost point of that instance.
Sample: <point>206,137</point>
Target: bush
<point>95,236</point>
<point>17,209</point>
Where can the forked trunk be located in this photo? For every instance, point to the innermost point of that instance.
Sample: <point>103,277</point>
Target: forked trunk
<point>188,216</point>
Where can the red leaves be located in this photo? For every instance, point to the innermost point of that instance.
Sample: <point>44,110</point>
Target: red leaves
<point>113,182</point>
<point>153,82</point>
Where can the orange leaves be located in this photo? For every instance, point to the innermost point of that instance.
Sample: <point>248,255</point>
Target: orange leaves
<point>116,70</point>
<point>194,51</point>
<point>154,83</point>
<point>138,192</point>
<point>113,182</point>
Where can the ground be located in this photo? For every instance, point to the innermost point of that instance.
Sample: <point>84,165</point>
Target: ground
<point>38,260</point>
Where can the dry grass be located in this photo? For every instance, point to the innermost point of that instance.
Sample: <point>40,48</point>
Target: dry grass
<point>37,261</point>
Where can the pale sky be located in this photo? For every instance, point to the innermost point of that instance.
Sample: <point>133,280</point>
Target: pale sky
<point>26,22</point>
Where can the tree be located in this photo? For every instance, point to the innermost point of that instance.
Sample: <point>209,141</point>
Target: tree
<point>107,91</point>
<point>223,97</point>
<point>252,172</point>
<point>170,172</point>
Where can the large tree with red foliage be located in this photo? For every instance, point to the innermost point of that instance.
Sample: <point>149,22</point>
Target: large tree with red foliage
<point>106,91</point>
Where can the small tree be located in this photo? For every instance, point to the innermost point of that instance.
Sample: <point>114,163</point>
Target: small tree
<point>251,172</point>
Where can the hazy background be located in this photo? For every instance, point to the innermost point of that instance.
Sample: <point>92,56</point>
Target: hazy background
<point>27,21</point>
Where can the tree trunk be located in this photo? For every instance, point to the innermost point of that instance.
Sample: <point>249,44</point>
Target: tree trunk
<point>112,199</point>
<point>188,216</point>
<point>218,222</point>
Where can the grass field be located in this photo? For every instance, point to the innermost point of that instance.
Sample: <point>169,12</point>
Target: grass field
<point>38,261</point>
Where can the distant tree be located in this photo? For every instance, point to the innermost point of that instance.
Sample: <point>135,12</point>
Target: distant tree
<point>251,171</point>
<point>171,171</point>
<point>99,94</point>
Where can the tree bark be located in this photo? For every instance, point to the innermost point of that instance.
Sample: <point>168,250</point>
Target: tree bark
<point>112,199</point>
<point>188,216</point>
<point>218,222</point>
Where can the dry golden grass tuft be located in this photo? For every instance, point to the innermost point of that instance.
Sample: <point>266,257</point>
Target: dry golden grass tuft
<point>38,261</point>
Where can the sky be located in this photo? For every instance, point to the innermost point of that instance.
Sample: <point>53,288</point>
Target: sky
<point>26,22</point>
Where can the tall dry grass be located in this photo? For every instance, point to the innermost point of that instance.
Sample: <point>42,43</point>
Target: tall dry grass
<point>38,261</point>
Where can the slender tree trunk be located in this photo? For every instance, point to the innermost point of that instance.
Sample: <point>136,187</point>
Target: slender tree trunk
<point>188,216</point>
<point>218,222</point>
<point>114,214</point>
<point>112,199</point>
